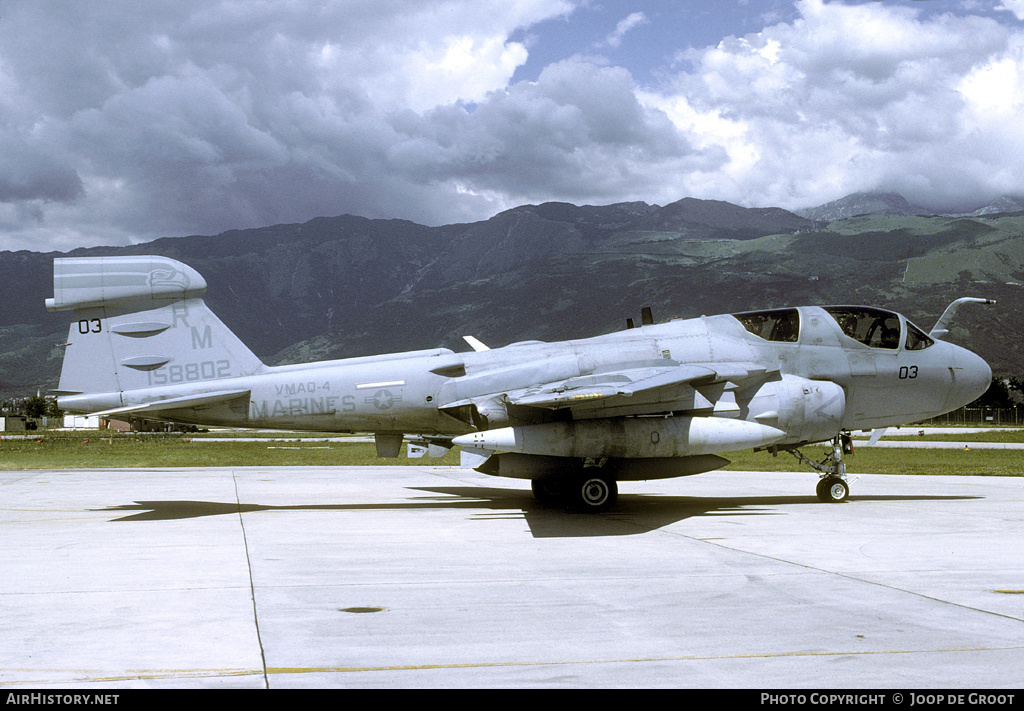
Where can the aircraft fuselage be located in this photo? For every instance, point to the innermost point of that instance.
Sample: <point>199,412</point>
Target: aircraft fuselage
<point>414,393</point>
<point>576,416</point>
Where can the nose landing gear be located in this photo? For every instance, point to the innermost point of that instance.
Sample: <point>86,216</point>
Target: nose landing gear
<point>832,489</point>
<point>832,486</point>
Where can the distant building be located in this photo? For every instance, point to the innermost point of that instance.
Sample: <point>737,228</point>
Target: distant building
<point>92,422</point>
<point>13,423</point>
<point>81,422</point>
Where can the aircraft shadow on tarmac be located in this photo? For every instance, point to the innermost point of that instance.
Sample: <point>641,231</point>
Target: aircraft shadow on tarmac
<point>634,513</point>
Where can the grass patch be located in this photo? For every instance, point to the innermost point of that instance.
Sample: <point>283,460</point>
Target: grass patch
<point>65,450</point>
<point>101,450</point>
<point>907,434</point>
<point>872,460</point>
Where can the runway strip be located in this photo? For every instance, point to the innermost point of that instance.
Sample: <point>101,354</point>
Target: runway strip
<point>421,577</point>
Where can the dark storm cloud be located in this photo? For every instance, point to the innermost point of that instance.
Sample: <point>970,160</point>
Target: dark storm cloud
<point>124,121</point>
<point>578,133</point>
<point>28,173</point>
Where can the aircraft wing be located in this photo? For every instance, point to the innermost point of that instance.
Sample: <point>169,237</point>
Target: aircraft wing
<point>701,385</point>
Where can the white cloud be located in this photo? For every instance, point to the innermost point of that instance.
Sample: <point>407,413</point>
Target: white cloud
<point>631,21</point>
<point>995,90</point>
<point>1014,6</point>
<point>577,133</point>
<point>124,121</point>
<point>143,120</point>
<point>854,97</point>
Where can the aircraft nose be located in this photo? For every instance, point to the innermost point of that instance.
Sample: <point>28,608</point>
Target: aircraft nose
<point>971,378</point>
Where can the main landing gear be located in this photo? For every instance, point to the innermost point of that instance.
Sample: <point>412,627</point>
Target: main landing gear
<point>832,486</point>
<point>589,492</point>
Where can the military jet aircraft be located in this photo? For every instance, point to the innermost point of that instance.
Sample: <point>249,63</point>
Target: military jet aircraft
<point>575,417</point>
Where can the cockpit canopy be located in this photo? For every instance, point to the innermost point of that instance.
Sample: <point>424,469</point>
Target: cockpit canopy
<point>917,340</point>
<point>875,328</point>
<point>782,325</point>
<point>872,327</point>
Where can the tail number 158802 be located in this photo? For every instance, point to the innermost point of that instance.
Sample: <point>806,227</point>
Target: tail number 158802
<point>190,372</point>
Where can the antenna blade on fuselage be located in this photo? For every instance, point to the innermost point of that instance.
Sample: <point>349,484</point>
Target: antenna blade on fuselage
<point>475,343</point>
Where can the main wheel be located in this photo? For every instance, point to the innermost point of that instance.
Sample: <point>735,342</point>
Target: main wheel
<point>549,492</point>
<point>833,490</point>
<point>593,494</point>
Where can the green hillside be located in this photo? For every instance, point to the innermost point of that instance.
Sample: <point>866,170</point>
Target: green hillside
<point>347,286</point>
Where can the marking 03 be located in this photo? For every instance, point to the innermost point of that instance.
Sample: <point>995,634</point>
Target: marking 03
<point>90,325</point>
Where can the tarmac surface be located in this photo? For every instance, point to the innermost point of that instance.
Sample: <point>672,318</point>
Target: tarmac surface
<point>442,577</point>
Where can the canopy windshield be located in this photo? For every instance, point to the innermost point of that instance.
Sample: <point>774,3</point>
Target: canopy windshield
<point>872,327</point>
<point>781,325</point>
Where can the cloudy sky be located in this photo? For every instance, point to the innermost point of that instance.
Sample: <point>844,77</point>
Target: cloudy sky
<point>123,121</point>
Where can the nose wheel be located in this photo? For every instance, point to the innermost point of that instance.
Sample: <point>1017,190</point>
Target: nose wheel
<point>832,490</point>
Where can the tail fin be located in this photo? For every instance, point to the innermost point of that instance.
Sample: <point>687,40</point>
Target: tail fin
<point>139,322</point>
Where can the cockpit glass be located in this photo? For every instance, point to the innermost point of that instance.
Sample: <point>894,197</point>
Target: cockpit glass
<point>781,325</point>
<point>872,327</point>
<point>916,339</point>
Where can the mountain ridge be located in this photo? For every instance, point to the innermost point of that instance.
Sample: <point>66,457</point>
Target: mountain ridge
<point>346,285</point>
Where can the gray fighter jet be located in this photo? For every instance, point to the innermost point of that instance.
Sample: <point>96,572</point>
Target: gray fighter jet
<point>575,417</point>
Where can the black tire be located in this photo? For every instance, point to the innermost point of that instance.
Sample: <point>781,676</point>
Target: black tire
<point>593,494</point>
<point>833,490</point>
<point>550,492</point>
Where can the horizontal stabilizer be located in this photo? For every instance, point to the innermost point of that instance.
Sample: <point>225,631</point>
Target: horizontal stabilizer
<point>140,322</point>
<point>84,282</point>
